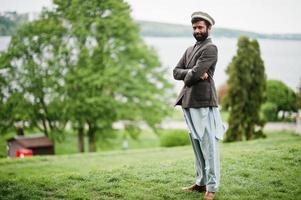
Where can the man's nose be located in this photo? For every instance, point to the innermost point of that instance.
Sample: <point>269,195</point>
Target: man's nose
<point>197,31</point>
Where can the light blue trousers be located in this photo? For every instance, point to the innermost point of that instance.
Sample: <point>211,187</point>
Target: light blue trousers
<point>205,147</point>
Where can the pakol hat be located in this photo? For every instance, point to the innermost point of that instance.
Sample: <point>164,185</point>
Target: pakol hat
<point>204,16</point>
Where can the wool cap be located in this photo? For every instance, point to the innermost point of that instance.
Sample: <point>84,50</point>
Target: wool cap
<point>203,15</point>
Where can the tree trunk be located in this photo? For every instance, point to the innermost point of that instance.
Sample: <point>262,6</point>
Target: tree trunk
<point>249,133</point>
<point>81,147</point>
<point>92,138</point>
<point>45,127</point>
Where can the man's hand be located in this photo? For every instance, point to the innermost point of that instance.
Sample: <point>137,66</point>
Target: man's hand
<point>204,76</point>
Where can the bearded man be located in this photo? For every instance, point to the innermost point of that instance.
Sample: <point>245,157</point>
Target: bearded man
<point>200,106</point>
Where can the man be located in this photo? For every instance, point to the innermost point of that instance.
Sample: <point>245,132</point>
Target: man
<point>199,103</point>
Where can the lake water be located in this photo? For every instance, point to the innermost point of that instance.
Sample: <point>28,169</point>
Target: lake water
<point>282,58</point>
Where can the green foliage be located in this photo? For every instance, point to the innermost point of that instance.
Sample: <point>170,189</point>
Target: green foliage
<point>246,87</point>
<point>281,95</point>
<point>269,111</point>
<point>34,73</point>
<point>85,63</point>
<point>172,138</point>
<point>299,96</point>
<point>13,110</point>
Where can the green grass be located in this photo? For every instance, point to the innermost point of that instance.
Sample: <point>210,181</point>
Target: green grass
<point>225,115</point>
<point>266,169</point>
<point>68,145</point>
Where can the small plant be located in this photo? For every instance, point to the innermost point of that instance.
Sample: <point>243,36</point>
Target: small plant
<point>173,138</point>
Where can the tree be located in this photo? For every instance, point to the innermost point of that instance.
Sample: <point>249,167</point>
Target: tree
<point>246,87</point>
<point>282,96</point>
<point>299,96</point>
<point>13,114</point>
<point>33,66</point>
<point>93,69</point>
<point>115,76</point>
<point>221,93</point>
<point>269,111</point>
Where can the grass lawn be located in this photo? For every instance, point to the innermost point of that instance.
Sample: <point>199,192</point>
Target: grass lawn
<point>261,169</point>
<point>68,145</point>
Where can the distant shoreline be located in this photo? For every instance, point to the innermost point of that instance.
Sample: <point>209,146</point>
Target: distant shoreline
<point>157,29</point>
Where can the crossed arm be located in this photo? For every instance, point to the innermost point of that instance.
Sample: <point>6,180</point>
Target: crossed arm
<point>199,71</point>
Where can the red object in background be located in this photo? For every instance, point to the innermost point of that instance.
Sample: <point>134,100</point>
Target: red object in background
<point>20,153</point>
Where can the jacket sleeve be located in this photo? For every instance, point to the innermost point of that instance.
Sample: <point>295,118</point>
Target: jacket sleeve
<point>204,62</point>
<point>179,71</point>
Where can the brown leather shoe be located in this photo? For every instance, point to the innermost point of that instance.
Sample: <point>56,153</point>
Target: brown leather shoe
<point>195,188</point>
<point>209,196</point>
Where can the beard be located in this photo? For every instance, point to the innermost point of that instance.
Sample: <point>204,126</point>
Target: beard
<point>200,36</point>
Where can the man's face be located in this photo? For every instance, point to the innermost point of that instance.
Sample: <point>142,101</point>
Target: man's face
<point>200,30</point>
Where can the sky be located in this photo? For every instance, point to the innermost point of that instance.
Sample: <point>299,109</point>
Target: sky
<point>262,16</point>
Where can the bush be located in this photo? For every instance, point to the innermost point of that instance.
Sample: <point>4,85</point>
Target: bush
<point>269,111</point>
<point>173,138</point>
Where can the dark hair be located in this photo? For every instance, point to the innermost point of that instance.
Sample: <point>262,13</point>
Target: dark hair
<point>196,19</point>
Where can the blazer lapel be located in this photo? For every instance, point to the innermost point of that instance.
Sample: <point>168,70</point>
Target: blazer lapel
<point>195,50</point>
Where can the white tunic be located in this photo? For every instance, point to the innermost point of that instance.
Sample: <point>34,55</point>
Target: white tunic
<point>199,120</point>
